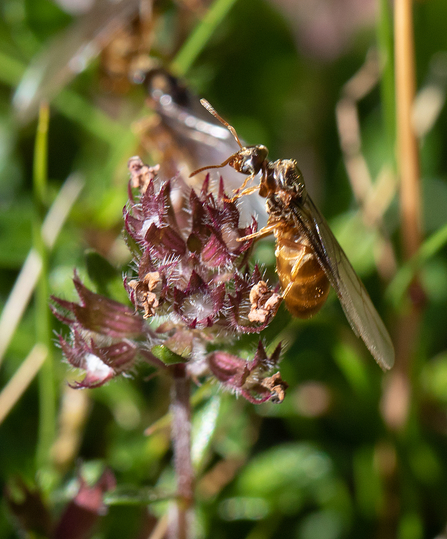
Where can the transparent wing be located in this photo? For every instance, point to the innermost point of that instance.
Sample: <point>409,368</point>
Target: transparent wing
<point>357,305</point>
<point>200,138</point>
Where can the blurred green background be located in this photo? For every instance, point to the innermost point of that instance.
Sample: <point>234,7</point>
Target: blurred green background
<point>352,452</point>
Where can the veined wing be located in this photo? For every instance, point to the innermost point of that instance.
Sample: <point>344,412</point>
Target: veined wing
<point>357,305</point>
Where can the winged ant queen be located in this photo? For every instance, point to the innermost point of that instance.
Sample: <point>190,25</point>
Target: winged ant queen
<point>308,257</point>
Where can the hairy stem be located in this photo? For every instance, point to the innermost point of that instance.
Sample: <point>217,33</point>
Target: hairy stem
<point>181,442</point>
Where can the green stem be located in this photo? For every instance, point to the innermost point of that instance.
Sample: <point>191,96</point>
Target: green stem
<point>407,273</point>
<point>43,325</point>
<point>11,69</point>
<point>200,36</point>
<point>387,86</point>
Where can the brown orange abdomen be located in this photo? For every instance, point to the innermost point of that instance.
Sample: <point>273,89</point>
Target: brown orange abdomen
<point>303,281</point>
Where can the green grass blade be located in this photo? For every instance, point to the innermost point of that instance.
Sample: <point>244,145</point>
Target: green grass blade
<point>408,271</point>
<point>200,37</point>
<point>47,402</point>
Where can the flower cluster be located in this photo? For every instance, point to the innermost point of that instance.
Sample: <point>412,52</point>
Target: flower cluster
<point>192,288</point>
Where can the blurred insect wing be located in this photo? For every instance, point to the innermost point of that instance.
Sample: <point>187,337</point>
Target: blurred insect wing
<point>196,138</point>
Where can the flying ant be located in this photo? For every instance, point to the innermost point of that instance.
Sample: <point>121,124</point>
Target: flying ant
<point>308,257</point>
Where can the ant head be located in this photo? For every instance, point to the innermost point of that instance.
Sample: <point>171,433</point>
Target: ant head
<point>248,160</point>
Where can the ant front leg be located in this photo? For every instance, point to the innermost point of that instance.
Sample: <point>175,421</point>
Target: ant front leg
<point>238,194</point>
<point>248,191</point>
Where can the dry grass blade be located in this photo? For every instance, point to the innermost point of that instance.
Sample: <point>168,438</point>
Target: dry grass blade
<point>21,380</point>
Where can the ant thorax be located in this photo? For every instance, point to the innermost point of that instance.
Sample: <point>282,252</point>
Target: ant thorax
<point>283,181</point>
<point>288,176</point>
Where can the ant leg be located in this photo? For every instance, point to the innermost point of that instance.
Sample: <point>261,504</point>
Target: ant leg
<point>244,184</point>
<point>244,192</point>
<point>302,258</point>
<point>287,290</point>
<point>237,192</point>
<point>249,190</point>
<point>265,231</point>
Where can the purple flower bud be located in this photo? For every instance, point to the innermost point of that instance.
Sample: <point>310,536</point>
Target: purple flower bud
<point>99,314</point>
<point>99,363</point>
<point>249,377</point>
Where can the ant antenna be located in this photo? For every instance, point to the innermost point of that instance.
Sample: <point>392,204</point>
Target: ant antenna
<point>213,111</point>
<point>212,166</point>
<point>230,128</point>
